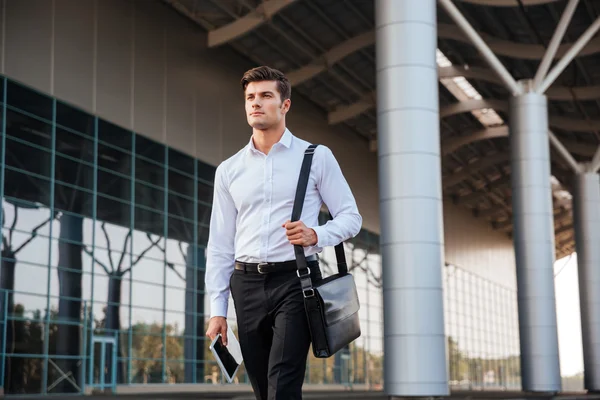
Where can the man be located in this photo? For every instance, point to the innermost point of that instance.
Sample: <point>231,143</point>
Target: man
<point>250,224</point>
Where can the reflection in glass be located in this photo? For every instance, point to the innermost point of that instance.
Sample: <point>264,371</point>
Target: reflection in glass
<point>24,258</point>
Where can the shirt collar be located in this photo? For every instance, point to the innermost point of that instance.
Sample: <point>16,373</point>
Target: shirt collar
<point>286,140</point>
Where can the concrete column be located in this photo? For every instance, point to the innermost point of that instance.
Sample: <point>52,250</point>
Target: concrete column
<point>534,241</point>
<point>410,198</point>
<point>586,218</point>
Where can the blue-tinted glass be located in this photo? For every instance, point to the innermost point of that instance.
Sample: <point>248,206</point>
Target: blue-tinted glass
<point>75,145</point>
<point>75,119</point>
<point>205,197</point>
<point>181,162</point>
<point>149,197</point>
<point>114,135</point>
<point>206,172</point>
<point>113,159</point>
<point>113,210</point>
<point>22,156</point>
<point>181,229</point>
<point>148,220</point>
<point>29,129</point>
<point>32,190</point>
<point>114,185</point>
<point>29,100</point>
<point>149,149</point>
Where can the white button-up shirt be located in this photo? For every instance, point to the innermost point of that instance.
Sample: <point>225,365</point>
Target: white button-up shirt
<point>254,195</point>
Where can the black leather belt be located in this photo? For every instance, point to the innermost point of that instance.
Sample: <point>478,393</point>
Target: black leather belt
<point>270,267</point>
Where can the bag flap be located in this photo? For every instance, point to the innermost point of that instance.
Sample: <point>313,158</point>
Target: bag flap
<point>340,298</point>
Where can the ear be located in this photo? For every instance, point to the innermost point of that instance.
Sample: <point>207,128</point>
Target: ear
<point>285,105</point>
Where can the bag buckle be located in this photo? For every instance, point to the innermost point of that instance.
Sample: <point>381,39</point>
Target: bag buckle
<point>260,268</point>
<point>301,276</point>
<point>311,293</point>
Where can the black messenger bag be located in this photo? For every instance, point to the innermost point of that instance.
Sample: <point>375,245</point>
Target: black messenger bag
<point>332,303</point>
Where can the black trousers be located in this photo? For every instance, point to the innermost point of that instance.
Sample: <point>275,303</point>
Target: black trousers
<point>273,331</point>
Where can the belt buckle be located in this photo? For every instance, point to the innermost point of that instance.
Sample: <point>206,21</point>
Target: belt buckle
<point>260,270</point>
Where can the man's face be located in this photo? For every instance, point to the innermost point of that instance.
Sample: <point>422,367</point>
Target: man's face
<point>264,108</point>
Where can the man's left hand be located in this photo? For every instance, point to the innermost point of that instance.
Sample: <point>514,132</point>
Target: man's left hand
<point>299,234</point>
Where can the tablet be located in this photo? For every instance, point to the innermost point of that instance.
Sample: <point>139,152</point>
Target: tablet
<point>229,362</point>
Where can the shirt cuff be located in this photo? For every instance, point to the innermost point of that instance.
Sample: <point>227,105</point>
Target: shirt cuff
<point>322,237</point>
<point>218,308</point>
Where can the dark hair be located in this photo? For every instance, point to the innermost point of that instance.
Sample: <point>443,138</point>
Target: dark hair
<point>265,73</point>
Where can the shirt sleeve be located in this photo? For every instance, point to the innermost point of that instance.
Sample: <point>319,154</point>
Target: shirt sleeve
<point>220,252</point>
<point>338,197</point>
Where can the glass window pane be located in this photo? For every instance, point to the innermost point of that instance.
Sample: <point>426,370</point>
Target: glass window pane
<point>28,190</point>
<point>29,129</point>
<point>181,162</point>
<point>114,185</point>
<point>149,220</point>
<point>73,199</point>
<point>29,100</point>
<point>74,118</point>
<point>113,159</point>
<point>114,135</point>
<point>149,149</point>
<point>24,157</point>
<point>206,172</point>
<point>74,145</point>
<point>113,210</point>
<point>149,172</point>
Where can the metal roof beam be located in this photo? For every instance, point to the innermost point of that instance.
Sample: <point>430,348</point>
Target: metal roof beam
<point>565,148</point>
<point>470,169</point>
<point>331,57</point>
<point>477,194</point>
<point>491,212</point>
<point>553,93</point>
<point>482,46</point>
<point>563,229</point>
<point>507,48</point>
<point>568,57</point>
<point>574,93</point>
<point>451,145</point>
<point>343,113</point>
<point>368,100</point>
<point>247,23</point>
<point>472,105</point>
<point>445,31</point>
<point>556,39</point>
<point>566,155</point>
<point>577,125</point>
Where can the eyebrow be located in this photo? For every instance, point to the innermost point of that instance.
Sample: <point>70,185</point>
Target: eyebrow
<point>265,92</point>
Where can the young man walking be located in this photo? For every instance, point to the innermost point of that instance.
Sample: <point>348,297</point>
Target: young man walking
<point>250,249</point>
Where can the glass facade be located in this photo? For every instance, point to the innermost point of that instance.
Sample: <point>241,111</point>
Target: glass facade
<point>482,332</point>
<point>102,257</point>
<point>102,273</point>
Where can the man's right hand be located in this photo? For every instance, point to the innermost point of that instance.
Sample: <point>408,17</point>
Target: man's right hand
<point>217,325</point>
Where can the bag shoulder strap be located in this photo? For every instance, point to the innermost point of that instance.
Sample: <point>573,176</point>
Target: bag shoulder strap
<point>297,212</point>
